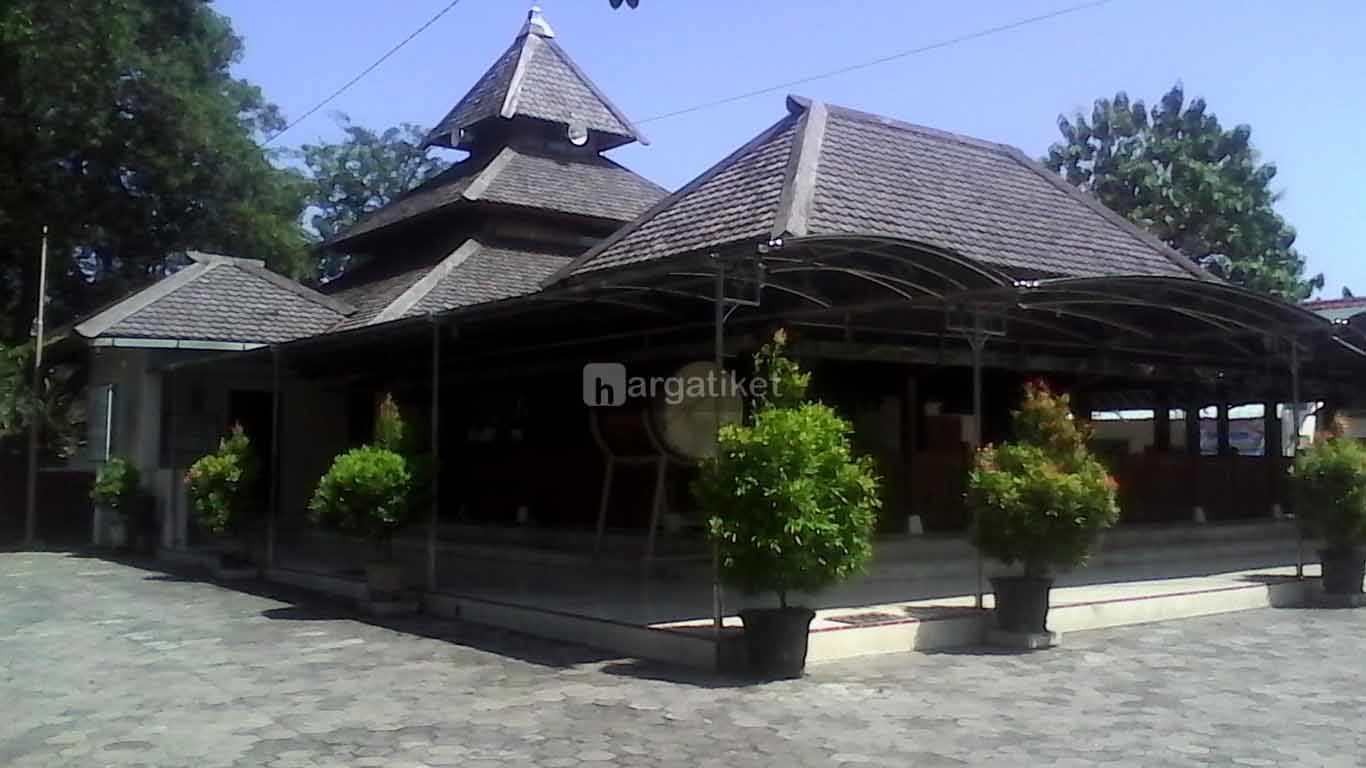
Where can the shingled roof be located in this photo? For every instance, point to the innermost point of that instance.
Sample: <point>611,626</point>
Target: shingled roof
<point>475,272</point>
<point>830,170</point>
<point>578,183</point>
<point>218,300</point>
<point>536,79</point>
<point>1338,310</point>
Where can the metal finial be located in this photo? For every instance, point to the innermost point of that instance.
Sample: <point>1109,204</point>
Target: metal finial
<point>536,23</point>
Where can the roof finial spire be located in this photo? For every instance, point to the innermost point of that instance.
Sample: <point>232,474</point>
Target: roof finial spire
<point>536,23</point>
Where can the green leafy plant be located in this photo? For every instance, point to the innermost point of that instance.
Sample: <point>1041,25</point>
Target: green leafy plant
<point>221,483</point>
<point>1041,500</point>
<point>792,509</point>
<point>115,484</point>
<point>1329,485</point>
<point>365,492</point>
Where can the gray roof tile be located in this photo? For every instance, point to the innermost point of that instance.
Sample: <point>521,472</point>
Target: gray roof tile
<point>535,78</point>
<point>471,273</point>
<point>984,201</point>
<point>877,176</point>
<point>376,290</point>
<point>221,300</point>
<point>492,273</point>
<point>736,199</point>
<point>581,184</point>
<point>586,185</point>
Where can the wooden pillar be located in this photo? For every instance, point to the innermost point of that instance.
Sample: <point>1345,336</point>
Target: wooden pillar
<point>1162,423</point>
<point>1193,452</point>
<point>434,514</point>
<point>1193,428</point>
<point>1272,434</point>
<point>1225,447</point>
<point>1271,456</point>
<point>910,441</point>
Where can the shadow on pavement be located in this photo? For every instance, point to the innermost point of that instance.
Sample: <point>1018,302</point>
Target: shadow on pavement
<point>301,605</point>
<point>667,673</point>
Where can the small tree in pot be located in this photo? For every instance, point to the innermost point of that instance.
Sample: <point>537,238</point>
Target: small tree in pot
<point>114,495</point>
<point>366,492</point>
<point>1329,482</point>
<point>221,487</point>
<point>792,509</point>
<point>1039,501</point>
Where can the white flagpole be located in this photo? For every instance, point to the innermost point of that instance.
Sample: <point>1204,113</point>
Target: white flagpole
<point>31,510</point>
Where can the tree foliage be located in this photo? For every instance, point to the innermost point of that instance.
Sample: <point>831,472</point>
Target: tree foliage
<point>792,509</point>
<point>1199,187</point>
<point>123,130</point>
<point>220,484</point>
<point>1042,499</point>
<point>360,174</point>
<point>1329,483</point>
<point>59,406</point>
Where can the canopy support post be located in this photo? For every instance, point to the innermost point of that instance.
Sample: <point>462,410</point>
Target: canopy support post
<point>977,341</point>
<point>434,514</point>
<point>274,455</point>
<point>1295,446</point>
<point>719,350</point>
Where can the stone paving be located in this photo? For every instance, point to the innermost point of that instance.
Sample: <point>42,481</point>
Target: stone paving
<point>104,663</point>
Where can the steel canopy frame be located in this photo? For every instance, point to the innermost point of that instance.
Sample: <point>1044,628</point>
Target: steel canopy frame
<point>896,287</point>
<point>1136,314</point>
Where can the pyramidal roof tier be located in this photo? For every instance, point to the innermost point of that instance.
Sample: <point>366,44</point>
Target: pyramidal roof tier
<point>214,302</point>
<point>535,80</point>
<point>827,170</point>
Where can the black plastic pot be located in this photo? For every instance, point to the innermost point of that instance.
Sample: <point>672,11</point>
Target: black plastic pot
<point>776,640</point>
<point>1343,570</point>
<point>1022,603</point>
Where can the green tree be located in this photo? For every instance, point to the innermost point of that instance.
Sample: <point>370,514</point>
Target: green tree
<point>1199,187</point>
<point>1041,499</point>
<point>362,173</point>
<point>123,130</point>
<point>791,507</point>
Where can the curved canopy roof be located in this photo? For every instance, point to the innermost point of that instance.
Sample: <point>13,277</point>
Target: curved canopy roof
<point>888,290</point>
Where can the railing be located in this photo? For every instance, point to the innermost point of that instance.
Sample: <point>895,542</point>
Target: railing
<point>1153,488</point>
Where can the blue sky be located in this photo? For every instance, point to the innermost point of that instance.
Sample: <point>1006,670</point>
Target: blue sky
<point>1293,71</point>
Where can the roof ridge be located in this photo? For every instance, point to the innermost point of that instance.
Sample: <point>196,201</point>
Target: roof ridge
<point>424,285</point>
<point>486,175</point>
<point>905,125</point>
<point>763,137</point>
<point>107,318</point>
<point>799,183</point>
<point>508,108</point>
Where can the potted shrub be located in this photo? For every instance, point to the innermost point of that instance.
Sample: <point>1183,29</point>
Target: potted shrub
<point>366,492</point>
<point>221,486</point>
<point>114,494</point>
<point>1329,483</point>
<point>1039,501</point>
<point>792,509</point>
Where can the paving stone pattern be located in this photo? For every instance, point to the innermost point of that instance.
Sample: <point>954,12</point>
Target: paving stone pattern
<point>103,663</point>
